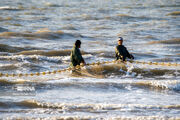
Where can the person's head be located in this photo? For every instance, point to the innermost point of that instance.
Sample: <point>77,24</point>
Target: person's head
<point>120,41</point>
<point>78,43</point>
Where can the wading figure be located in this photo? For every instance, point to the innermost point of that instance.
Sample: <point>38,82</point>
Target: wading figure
<point>76,57</point>
<point>121,51</point>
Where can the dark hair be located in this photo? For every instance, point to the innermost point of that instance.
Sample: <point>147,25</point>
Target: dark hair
<point>78,42</point>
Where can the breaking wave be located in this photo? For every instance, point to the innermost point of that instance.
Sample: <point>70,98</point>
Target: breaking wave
<point>31,58</point>
<point>10,8</point>
<point>93,71</point>
<point>107,70</point>
<point>94,117</point>
<point>73,107</point>
<point>42,84</point>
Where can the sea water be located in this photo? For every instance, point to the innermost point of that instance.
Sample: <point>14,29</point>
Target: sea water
<point>37,36</point>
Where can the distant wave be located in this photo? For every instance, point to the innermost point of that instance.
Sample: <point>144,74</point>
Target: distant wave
<point>10,8</point>
<point>175,13</point>
<point>66,52</point>
<point>171,41</point>
<point>69,27</point>
<point>42,34</point>
<point>5,19</point>
<point>119,17</point>
<point>82,17</point>
<point>12,49</point>
<point>52,5</point>
<point>128,18</point>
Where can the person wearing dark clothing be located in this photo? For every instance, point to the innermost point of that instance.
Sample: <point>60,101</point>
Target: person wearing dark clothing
<point>76,57</point>
<point>121,51</point>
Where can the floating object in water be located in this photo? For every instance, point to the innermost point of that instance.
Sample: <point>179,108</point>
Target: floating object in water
<point>92,64</point>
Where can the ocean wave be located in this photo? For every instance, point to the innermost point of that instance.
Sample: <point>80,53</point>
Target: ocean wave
<point>48,4</point>
<point>69,27</point>
<point>128,18</point>
<point>21,66</point>
<point>99,71</point>
<point>164,60</point>
<point>4,82</point>
<point>65,52</point>
<point>173,85</point>
<point>7,48</point>
<point>109,54</point>
<point>73,107</point>
<point>120,69</point>
<point>175,13</point>
<point>10,8</point>
<point>171,41</point>
<point>42,34</point>
<point>153,85</point>
<point>95,117</point>
<point>101,28</point>
<point>13,49</point>
<point>8,67</point>
<point>5,19</point>
<point>154,72</point>
<point>47,53</point>
<point>82,17</point>
<point>37,54</point>
<point>119,17</point>
<point>3,29</point>
<point>161,85</point>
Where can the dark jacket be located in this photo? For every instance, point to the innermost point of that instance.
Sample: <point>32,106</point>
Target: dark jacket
<point>122,53</point>
<point>76,57</point>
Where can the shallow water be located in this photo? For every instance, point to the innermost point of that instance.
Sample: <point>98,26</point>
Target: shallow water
<point>37,36</point>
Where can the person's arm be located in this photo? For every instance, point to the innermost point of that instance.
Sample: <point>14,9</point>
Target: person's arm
<point>118,53</point>
<point>130,56</point>
<point>79,57</point>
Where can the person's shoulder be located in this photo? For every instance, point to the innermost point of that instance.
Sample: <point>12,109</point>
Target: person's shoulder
<point>117,46</point>
<point>73,48</point>
<point>123,46</point>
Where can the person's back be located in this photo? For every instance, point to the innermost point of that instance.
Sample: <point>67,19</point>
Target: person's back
<point>76,57</point>
<point>121,51</point>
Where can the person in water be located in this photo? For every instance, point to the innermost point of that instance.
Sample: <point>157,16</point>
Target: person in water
<point>76,57</point>
<point>121,51</point>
